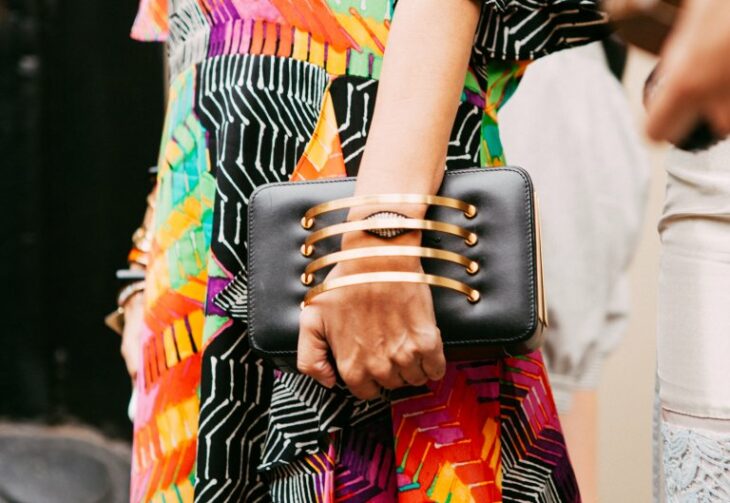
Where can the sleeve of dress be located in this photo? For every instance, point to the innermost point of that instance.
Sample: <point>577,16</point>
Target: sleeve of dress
<point>151,23</point>
<point>529,29</point>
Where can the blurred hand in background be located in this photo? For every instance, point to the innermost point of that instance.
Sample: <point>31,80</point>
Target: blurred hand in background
<point>694,80</point>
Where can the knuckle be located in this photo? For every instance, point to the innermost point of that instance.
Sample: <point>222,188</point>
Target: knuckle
<point>430,343</point>
<point>437,372</point>
<point>411,348</point>
<point>404,358</point>
<point>351,377</point>
<point>382,371</point>
<point>419,380</point>
<point>428,346</point>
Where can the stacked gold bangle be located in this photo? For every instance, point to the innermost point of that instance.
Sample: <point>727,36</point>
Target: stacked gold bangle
<point>115,319</point>
<point>387,222</point>
<point>138,257</point>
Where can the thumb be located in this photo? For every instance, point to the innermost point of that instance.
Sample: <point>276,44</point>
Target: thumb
<point>313,351</point>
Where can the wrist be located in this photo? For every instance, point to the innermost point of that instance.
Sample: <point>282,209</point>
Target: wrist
<point>129,292</point>
<point>380,264</point>
<point>362,239</point>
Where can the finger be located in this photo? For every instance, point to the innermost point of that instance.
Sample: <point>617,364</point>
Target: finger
<point>431,351</point>
<point>434,365</point>
<point>408,363</point>
<point>312,349</point>
<point>358,381</point>
<point>413,373</point>
<point>389,377</point>
<point>366,389</point>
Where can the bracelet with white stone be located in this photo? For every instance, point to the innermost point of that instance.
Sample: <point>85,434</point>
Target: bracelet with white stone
<point>387,233</point>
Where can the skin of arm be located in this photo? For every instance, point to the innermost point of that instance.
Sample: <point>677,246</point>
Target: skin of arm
<point>385,335</point>
<point>694,79</point>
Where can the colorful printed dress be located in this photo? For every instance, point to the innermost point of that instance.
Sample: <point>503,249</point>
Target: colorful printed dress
<point>272,90</point>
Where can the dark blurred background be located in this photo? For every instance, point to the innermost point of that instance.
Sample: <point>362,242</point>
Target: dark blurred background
<point>81,107</point>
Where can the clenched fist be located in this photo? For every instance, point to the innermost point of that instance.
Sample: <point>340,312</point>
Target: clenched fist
<point>380,335</point>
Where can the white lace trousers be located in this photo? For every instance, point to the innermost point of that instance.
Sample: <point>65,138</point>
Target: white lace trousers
<point>694,328</point>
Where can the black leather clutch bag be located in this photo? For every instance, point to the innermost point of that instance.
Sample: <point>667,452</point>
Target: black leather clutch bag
<point>480,251</point>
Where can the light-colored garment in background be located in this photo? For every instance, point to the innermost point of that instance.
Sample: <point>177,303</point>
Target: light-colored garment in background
<point>693,338</point>
<point>577,138</point>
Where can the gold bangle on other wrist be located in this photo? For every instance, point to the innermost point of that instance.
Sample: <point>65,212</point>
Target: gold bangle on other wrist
<point>115,319</point>
<point>129,291</point>
<point>142,239</point>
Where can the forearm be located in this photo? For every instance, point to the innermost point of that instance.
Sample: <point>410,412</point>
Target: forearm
<point>418,96</point>
<point>421,82</point>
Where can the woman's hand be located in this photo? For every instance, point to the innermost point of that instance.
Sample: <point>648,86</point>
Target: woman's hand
<point>385,334</point>
<point>695,74</point>
<point>381,335</point>
<point>132,334</point>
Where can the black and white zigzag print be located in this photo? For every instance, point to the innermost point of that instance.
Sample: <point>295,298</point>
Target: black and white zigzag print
<point>235,393</point>
<point>529,29</point>
<point>260,112</point>
<point>233,299</point>
<point>298,481</point>
<point>303,413</point>
<point>354,101</point>
<point>463,152</point>
<point>347,458</point>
